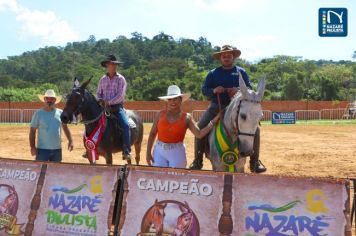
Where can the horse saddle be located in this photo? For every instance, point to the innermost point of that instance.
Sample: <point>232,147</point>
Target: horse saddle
<point>114,109</point>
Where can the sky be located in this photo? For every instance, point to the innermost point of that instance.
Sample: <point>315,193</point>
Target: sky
<point>259,28</point>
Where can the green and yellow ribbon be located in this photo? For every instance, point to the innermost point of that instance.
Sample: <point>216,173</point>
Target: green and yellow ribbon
<point>229,153</point>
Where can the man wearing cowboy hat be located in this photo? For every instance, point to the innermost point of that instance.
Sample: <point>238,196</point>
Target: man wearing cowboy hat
<point>224,82</point>
<point>111,93</point>
<point>48,123</point>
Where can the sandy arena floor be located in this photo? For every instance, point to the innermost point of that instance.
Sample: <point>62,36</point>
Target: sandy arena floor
<point>312,150</point>
<point>299,150</point>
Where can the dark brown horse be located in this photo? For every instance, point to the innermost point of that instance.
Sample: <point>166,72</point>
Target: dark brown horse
<point>81,101</point>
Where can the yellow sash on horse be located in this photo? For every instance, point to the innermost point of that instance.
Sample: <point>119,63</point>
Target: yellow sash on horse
<point>229,153</point>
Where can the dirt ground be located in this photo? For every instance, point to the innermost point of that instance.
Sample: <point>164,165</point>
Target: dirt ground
<point>298,150</point>
<point>311,150</point>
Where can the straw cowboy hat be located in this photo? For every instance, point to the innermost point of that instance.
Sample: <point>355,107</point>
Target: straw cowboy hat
<point>227,48</point>
<point>49,94</point>
<point>110,58</point>
<point>173,91</point>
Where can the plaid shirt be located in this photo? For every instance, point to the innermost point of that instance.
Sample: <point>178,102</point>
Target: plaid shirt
<point>112,90</point>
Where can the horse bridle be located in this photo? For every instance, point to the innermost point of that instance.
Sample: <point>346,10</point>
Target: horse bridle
<point>237,119</point>
<point>80,106</point>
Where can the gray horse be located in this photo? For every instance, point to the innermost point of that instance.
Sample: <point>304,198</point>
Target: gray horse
<point>240,122</point>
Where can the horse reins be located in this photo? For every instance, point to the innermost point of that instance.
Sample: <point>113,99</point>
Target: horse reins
<point>78,110</point>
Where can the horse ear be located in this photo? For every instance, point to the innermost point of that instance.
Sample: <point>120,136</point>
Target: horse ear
<point>261,87</point>
<point>243,87</point>
<point>156,201</point>
<point>85,84</point>
<point>182,209</point>
<point>76,82</point>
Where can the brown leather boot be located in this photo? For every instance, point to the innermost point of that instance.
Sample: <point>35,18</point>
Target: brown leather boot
<point>199,148</point>
<point>197,164</point>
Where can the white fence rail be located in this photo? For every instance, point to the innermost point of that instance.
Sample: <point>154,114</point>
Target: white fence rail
<point>267,115</point>
<point>332,114</point>
<point>307,115</point>
<point>25,115</point>
<point>147,115</point>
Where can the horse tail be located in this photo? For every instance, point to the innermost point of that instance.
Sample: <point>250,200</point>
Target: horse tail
<point>139,134</point>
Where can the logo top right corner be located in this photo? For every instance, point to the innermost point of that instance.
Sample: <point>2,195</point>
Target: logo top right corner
<point>332,22</point>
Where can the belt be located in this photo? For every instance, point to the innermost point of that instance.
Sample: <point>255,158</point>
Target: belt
<point>169,146</point>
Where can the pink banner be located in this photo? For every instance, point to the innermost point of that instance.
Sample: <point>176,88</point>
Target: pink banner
<point>77,200</point>
<point>174,202</point>
<point>18,184</point>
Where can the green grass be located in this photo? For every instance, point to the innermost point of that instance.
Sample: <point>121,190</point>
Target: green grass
<point>318,122</point>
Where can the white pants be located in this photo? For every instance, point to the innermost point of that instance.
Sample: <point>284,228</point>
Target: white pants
<point>169,155</point>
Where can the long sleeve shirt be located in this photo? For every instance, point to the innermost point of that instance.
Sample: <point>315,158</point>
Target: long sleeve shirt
<point>225,78</point>
<point>112,89</point>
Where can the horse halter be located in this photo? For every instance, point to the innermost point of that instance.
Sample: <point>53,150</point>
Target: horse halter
<point>80,106</point>
<point>237,119</point>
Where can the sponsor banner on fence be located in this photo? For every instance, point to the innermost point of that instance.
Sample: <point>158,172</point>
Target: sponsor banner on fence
<point>266,205</point>
<point>76,200</point>
<point>18,184</point>
<point>283,117</point>
<point>161,201</point>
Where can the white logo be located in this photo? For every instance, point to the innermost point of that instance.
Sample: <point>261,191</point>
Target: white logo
<point>336,14</point>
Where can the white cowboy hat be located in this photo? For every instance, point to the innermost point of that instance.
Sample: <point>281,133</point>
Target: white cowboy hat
<point>173,91</point>
<point>49,94</point>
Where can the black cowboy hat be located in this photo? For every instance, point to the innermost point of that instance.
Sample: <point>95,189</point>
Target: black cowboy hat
<point>110,58</point>
<point>227,48</point>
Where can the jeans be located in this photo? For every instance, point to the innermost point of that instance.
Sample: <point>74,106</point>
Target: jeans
<point>126,129</point>
<point>49,155</point>
<point>209,114</point>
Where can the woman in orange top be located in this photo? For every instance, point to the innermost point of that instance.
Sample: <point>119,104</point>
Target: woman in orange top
<point>171,125</point>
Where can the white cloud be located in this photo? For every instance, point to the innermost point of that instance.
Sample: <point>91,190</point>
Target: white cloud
<point>229,6</point>
<point>8,5</point>
<point>45,25</point>
<point>257,47</point>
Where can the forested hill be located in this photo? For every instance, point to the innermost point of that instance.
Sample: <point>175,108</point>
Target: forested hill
<point>150,65</point>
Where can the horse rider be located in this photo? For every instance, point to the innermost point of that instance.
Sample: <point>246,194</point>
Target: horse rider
<point>170,125</point>
<point>48,123</point>
<point>220,86</point>
<point>111,94</point>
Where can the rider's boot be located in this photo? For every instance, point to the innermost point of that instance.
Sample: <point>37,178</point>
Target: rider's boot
<point>126,155</point>
<point>197,164</point>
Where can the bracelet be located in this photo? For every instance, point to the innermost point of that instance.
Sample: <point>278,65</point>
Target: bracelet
<point>210,124</point>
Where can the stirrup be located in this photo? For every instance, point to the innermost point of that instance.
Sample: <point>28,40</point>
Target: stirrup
<point>126,156</point>
<point>259,167</point>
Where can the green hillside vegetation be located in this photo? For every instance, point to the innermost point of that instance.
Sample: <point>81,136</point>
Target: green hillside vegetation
<point>150,65</point>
